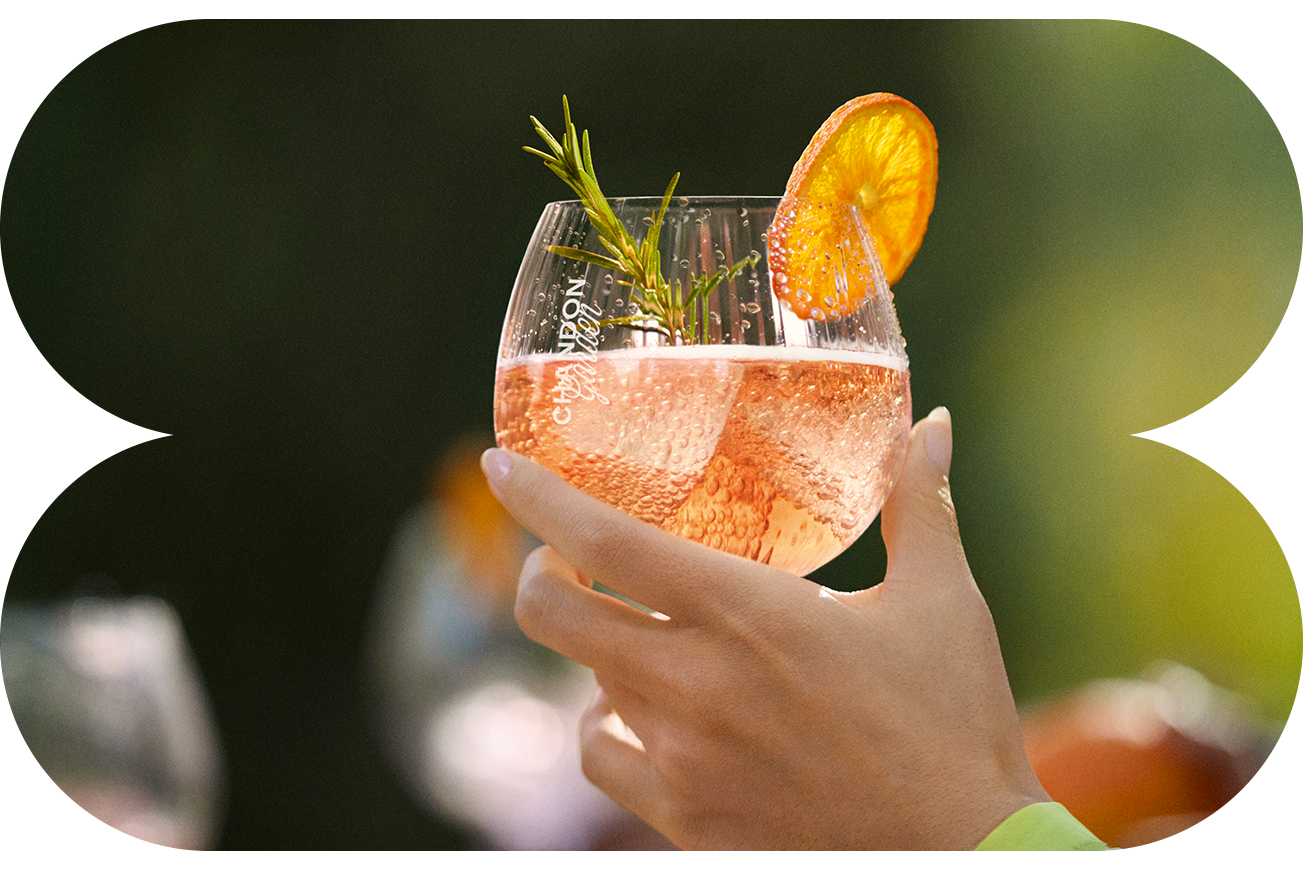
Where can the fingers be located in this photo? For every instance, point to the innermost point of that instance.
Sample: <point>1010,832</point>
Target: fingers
<point>682,579</point>
<point>919,525</point>
<point>613,759</point>
<point>560,609</point>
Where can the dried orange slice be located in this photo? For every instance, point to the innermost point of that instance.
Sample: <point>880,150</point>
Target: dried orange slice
<point>877,153</point>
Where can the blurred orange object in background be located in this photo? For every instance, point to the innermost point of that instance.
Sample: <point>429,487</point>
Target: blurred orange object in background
<point>1140,760</point>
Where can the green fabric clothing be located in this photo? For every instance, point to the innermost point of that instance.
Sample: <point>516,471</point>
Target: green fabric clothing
<point>1041,827</point>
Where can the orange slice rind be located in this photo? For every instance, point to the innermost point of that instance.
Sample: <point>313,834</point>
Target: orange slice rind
<point>870,170</point>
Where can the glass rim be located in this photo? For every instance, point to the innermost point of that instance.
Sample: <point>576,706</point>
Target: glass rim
<point>674,198</point>
<point>682,206</point>
<point>683,201</point>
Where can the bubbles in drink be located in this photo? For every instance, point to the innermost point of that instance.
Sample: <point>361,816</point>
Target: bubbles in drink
<point>773,454</point>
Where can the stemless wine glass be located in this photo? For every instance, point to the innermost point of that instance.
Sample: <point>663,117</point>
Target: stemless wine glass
<point>108,741</point>
<point>758,432</point>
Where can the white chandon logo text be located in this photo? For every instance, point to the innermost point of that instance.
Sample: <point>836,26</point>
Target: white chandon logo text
<point>578,336</point>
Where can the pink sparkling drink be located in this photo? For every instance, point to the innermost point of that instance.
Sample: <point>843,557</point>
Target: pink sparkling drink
<point>767,453</point>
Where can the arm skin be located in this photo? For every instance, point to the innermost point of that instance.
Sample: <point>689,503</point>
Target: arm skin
<point>758,710</point>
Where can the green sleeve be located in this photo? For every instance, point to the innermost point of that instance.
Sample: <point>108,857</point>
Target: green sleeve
<point>1044,827</point>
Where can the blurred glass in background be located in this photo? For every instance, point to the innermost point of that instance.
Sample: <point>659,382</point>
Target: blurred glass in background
<point>479,721</point>
<point>107,695</point>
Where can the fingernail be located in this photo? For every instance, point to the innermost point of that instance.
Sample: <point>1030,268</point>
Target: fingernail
<point>937,442</point>
<point>495,464</point>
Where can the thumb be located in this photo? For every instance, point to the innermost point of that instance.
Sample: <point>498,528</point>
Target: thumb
<point>918,520</point>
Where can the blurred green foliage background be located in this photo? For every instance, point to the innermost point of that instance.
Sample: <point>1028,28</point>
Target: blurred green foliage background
<point>291,245</point>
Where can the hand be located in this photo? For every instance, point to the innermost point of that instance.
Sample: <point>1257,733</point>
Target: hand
<point>758,710</point>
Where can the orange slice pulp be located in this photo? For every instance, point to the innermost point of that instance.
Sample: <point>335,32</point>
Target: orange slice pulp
<point>877,153</point>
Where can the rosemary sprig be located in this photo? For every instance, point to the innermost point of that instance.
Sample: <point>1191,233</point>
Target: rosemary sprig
<point>662,307</point>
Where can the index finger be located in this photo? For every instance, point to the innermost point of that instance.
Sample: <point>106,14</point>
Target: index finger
<point>680,578</point>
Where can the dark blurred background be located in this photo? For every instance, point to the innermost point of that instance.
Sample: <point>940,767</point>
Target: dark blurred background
<point>290,246</point>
